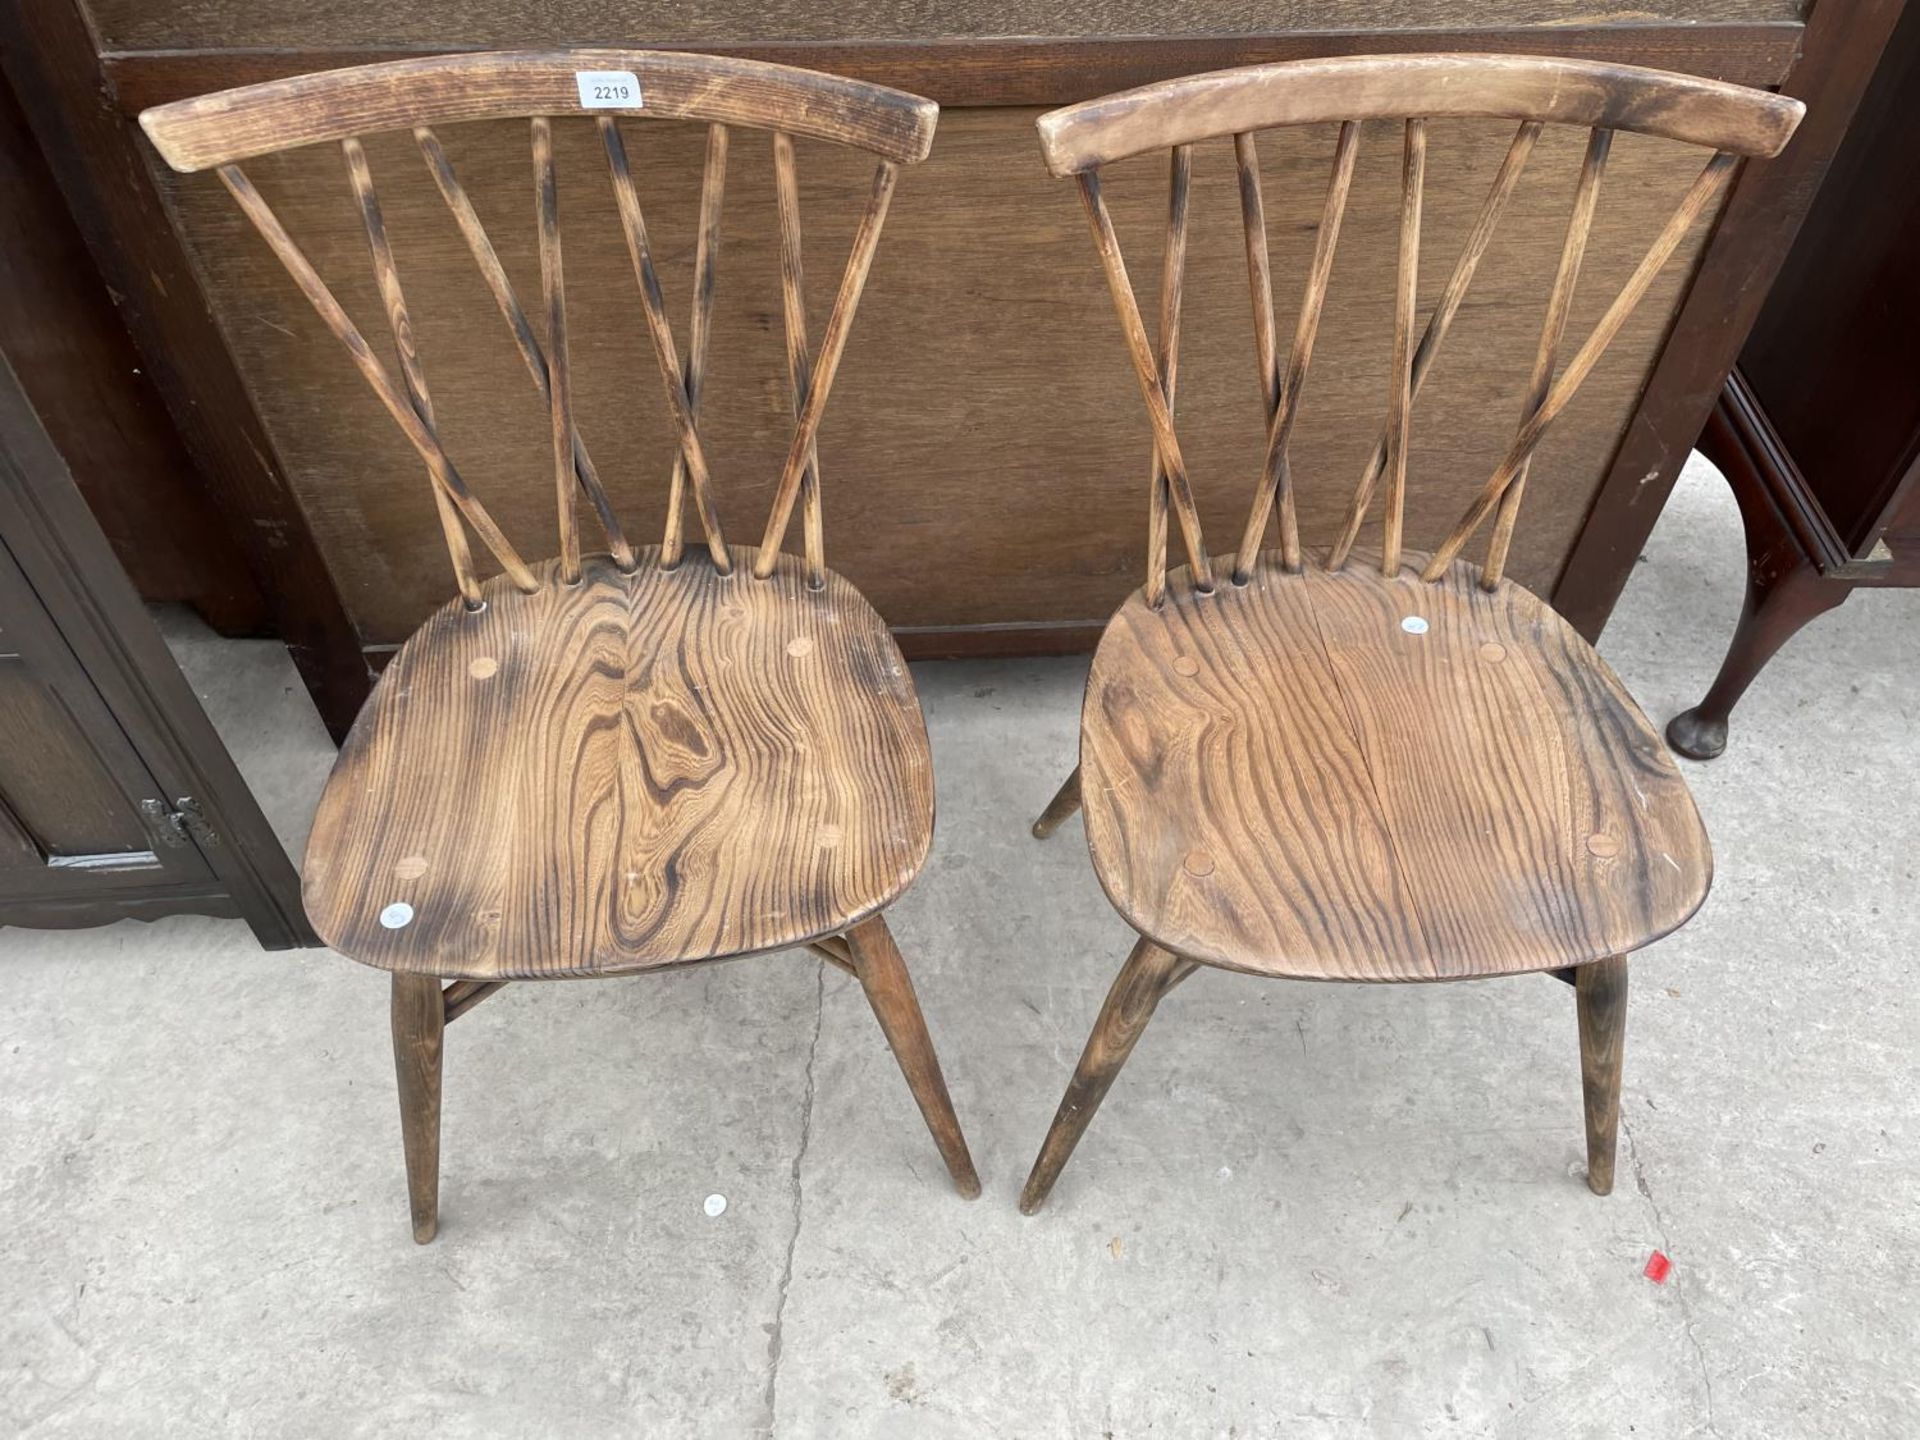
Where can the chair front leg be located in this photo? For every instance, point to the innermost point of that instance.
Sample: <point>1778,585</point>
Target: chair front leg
<point>1149,973</point>
<point>1600,995</point>
<point>883,975</point>
<point>419,1026</point>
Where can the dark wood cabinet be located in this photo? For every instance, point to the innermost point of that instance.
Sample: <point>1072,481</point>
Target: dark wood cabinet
<point>117,799</point>
<point>1818,429</point>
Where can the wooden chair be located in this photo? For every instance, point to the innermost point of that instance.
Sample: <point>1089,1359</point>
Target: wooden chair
<point>1381,765</point>
<point>607,763</point>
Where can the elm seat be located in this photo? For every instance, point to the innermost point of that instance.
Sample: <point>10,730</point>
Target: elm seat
<point>1284,778</point>
<point>640,770</point>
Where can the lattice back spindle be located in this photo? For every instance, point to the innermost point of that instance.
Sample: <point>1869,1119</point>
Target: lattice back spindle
<point>1283,395</point>
<point>1730,121</point>
<point>833,344</point>
<point>480,246</point>
<point>547,88</point>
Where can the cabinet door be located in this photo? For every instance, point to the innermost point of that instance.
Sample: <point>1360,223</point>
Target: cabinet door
<point>80,817</point>
<point>117,799</point>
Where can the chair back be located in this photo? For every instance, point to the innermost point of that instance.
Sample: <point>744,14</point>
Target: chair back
<point>1731,121</point>
<point>339,106</point>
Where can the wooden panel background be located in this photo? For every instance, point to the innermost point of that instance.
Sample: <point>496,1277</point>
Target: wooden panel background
<point>985,453</point>
<point>230,24</point>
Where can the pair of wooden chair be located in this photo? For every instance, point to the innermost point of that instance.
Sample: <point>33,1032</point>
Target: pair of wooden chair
<point>1337,764</point>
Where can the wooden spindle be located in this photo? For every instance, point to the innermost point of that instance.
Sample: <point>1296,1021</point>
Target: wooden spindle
<point>1180,490</point>
<point>462,995</point>
<point>418,432</point>
<point>1253,229</point>
<point>833,344</point>
<point>1586,198</point>
<point>706,259</point>
<point>559,377</point>
<point>1694,204</point>
<point>1276,478</point>
<point>1173,270</point>
<point>507,301</point>
<point>394,301</point>
<point>1413,177</point>
<point>793,307</point>
<point>634,225</point>
<point>1435,334</point>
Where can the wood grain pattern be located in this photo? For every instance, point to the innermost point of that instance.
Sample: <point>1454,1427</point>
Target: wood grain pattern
<point>268,24</point>
<point>1279,778</point>
<point>1733,118</point>
<point>238,124</point>
<point>641,770</point>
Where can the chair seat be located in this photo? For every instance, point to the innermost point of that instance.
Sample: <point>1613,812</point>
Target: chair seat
<point>1296,777</point>
<point>634,771</point>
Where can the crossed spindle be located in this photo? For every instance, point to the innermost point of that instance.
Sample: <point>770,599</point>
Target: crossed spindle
<point>410,404</point>
<point>1548,392</point>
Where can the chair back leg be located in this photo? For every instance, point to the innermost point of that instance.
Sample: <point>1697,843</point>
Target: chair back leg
<point>1065,801</point>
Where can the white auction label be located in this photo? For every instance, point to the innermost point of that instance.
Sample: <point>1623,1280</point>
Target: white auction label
<point>608,89</point>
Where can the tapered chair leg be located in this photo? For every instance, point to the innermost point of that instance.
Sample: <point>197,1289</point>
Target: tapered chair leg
<point>419,1024</point>
<point>1065,801</point>
<point>1600,994</point>
<point>883,975</point>
<point>1148,974</point>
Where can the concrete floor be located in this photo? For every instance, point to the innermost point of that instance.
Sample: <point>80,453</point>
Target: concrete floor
<point>1305,1210</point>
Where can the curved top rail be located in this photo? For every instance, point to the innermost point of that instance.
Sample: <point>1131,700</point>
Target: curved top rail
<point>1733,118</point>
<point>235,125</point>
